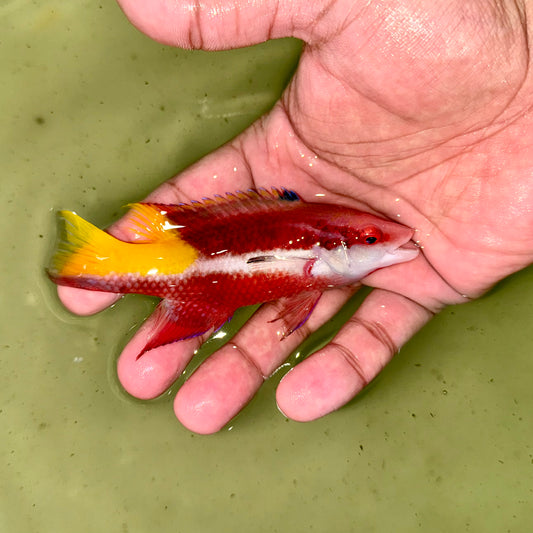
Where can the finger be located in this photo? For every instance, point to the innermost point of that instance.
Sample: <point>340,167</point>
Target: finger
<point>149,376</point>
<point>335,374</point>
<point>228,380</point>
<point>223,24</point>
<point>82,302</point>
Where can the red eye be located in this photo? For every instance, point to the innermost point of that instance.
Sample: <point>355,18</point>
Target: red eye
<point>370,235</point>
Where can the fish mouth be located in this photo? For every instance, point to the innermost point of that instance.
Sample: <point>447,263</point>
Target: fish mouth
<point>405,252</point>
<point>398,254</point>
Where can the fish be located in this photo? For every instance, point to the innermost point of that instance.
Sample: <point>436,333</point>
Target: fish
<point>206,259</point>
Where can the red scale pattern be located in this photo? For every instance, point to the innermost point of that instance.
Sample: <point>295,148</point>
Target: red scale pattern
<point>229,291</point>
<point>294,226</point>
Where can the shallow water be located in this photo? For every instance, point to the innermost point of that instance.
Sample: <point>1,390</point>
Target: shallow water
<point>94,115</point>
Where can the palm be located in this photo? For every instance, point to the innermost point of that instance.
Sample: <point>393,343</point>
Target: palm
<point>448,139</point>
<point>416,125</point>
<point>449,154</point>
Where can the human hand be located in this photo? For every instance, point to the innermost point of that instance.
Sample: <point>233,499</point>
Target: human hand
<point>415,110</point>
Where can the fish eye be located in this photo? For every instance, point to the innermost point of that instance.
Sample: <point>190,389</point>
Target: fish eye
<point>370,235</point>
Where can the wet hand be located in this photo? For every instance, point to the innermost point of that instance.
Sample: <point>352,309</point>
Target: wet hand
<point>416,111</point>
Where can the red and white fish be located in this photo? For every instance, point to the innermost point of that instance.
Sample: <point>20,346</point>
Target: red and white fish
<point>207,259</point>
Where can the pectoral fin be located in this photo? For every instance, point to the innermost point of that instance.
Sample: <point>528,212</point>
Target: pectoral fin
<point>296,310</point>
<point>174,320</point>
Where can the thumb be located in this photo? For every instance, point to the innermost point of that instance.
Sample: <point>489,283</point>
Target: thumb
<point>224,24</point>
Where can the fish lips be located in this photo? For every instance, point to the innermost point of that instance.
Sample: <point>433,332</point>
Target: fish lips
<point>400,254</point>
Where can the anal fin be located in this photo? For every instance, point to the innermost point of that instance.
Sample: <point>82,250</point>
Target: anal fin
<point>296,310</point>
<point>175,320</point>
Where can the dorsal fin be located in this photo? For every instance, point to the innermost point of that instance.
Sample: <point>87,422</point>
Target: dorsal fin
<point>239,202</point>
<point>218,223</point>
<point>150,223</point>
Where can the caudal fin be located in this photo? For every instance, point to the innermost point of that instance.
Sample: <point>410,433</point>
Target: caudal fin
<point>88,257</point>
<point>81,249</point>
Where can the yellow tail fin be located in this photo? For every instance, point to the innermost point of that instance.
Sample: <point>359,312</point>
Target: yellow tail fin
<point>83,249</point>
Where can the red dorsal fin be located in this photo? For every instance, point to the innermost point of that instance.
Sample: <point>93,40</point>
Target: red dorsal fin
<point>251,201</point>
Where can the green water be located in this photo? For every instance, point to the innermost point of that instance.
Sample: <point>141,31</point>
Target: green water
<point>93,116</point>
